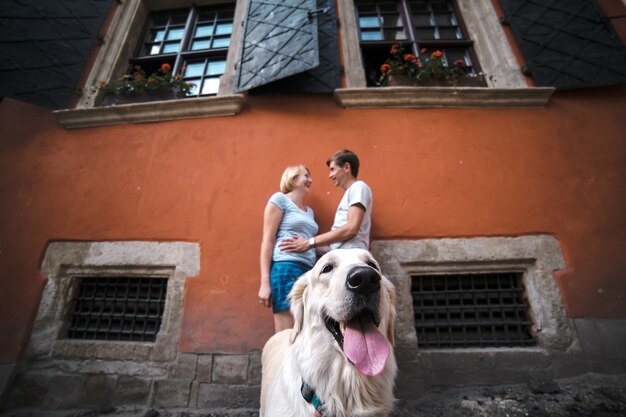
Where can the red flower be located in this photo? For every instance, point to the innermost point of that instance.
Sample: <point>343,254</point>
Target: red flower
<point>459,63</point>
<point>423,50</point>
<point>408,57</point>
<point>436,55</point>
<point>385,68</point>
<point>166,67</point>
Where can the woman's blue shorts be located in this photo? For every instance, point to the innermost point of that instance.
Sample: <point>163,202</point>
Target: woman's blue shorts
<point>283,274</point>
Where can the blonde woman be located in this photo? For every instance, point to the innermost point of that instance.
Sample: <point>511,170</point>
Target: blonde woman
<point>285,216</point>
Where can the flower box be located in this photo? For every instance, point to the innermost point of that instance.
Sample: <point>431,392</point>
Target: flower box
<point>404,81</point>
<point>112,99</point>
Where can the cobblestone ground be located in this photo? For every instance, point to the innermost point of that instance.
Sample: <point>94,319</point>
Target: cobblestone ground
<point>590,395</point>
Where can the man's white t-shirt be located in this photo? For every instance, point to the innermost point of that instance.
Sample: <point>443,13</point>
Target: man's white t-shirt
<point>358,193</point>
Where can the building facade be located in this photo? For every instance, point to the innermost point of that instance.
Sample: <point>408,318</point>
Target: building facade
<point>130,233</point>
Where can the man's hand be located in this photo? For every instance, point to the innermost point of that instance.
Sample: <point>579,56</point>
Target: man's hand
<point>294,244</point>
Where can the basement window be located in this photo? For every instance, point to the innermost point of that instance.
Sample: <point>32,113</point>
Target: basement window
<point>471,310</point>
<point>113,300</point>
<point>118,308</point>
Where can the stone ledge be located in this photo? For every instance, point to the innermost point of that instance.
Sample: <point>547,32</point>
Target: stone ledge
<point>154,111</point>
<point>435,97</point>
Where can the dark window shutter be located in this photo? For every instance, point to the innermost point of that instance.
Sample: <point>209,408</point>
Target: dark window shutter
<point>324,78</point>
<point>280,39</point>
<point>567,44</point>
<point>44,46</point>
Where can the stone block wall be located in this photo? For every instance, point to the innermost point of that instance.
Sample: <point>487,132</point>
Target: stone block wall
<point>209,381</point>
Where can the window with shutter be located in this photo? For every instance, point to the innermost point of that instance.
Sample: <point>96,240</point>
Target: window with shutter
<point>567,44</point>
<point>289,38</point>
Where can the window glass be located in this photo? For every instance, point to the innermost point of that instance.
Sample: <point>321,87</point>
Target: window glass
<point>192,41</point>
<point>430,24</point>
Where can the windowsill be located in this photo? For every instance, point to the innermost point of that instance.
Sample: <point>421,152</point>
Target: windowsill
<point>433,97</point>
<point>154,111</point>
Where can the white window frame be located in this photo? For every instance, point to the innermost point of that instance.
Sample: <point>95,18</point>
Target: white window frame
<point>506,87</point>
<point>120,41</point>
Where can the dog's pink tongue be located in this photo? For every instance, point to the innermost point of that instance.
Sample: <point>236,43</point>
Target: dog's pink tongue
<point>365,346</point>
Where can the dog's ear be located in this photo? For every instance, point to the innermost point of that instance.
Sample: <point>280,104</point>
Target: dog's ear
<point>297,298</point>
<point>391,314</point>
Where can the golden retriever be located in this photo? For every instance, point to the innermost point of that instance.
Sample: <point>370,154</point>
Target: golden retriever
<point>341,346</point>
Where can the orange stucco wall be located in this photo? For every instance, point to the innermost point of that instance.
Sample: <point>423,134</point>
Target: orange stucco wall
<point>559,170</point>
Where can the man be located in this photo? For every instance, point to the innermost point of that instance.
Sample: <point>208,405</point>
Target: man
<point>351,228</point>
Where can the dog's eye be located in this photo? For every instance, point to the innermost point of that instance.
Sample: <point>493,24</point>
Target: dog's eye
<point>373,265</point>
<point>327,268</point>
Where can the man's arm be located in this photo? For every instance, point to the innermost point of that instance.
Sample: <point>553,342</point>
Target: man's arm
<point>356,214</point>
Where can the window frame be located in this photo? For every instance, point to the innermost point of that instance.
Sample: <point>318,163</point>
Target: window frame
<point>111,62</point>
<point>507,88</point>
<point>537,257</point>
<point>413,43</point>
<point>63,265</point>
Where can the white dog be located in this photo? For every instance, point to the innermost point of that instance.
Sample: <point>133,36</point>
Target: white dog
<point>339,355</point>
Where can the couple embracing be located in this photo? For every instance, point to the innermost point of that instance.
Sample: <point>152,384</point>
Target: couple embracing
<point>290,239</point>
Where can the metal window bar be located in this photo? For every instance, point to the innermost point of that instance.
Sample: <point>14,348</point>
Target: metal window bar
<point>118,308</point>
<point>471,310</point>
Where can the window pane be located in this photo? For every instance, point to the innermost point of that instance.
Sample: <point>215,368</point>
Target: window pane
<point>216,68</point>
<point>395,35</point>
<point>203,31</point>
<point>370,22</point>
<point>366,8</point>
<point>195,87</point>
<point>371,36</point>
<point>155,50</point>
<point>388,7</point>
<point>449,33</point>
<point>194,69</point>
<point>175,34</point>
<point>210,86</point>
<point>422,19</point>
<point>224,29</point>
<point>392,20</point>
<point>171,48</point>
<point>425,34</point>
<point>202,44</point>
<point>158,35</point>
<point>443,19</point>
<point>221,43</point>
<point>179,18</point>
<point>440,6</point>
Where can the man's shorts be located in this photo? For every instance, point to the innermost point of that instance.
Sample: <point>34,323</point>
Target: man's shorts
<point>283,274</point>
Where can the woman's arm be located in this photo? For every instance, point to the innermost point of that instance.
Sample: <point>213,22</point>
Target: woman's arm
<point>272,217</point>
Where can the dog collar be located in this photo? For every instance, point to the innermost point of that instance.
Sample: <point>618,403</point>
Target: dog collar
<point>308,393</point>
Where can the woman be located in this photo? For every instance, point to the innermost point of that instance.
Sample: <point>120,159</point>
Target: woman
<point>285,216</point>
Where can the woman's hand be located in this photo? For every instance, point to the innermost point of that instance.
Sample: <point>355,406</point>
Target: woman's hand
<point>265,295</point>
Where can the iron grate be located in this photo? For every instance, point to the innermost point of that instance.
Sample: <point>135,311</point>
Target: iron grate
<point>471,310</point>
<point>118,308</point>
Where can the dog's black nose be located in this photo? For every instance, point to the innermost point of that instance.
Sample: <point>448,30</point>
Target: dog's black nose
<point>363,280</point>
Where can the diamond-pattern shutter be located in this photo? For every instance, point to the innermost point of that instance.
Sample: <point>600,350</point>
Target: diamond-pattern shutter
<point>567,44</point>
<point>280,40</point>
<point>324,78</point>
<point>44,46</point>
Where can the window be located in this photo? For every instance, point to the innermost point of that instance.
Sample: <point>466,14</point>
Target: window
<point>113,300</point>
<point>118,308</point>
<point>193,41</point>
<point>471,310</point>
<point>416,25</point>
<point>477,293</point>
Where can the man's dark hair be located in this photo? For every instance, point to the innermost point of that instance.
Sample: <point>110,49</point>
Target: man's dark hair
<point>341,157</point>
